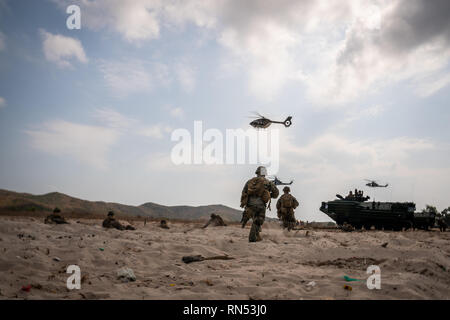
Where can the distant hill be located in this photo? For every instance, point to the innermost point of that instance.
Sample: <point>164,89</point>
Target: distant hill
<point>21,203</point>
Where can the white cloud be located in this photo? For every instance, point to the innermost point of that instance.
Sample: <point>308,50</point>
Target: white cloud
<point>60,49</point>
<point>88,144</point>
<point>2,41</point>
<point>358,113</point>
<point>369,59</point>
<point>125,78</point>
<point>127,125</point>
<point>2,102</point>
<point>135,20</point>
<point>339,51</point>
<point>176,112</point>
<point>114,119</point>
<point>158,131</point>
<point>185,76</point>
<point>428,87</point>
<point>356,157</point>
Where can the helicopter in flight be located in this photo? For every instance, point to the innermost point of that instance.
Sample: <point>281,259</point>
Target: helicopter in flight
<point>374,184</point>
<point>263,122</point>
<point>278,182</point>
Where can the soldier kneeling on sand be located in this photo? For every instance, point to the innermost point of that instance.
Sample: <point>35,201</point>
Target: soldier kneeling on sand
<point>55,218</point>
<point>285,209</point>
<point>442,224</point>
<point>215,221</point>
<point>111,222</point>
<point>163,224</point>
<point>346,227</point>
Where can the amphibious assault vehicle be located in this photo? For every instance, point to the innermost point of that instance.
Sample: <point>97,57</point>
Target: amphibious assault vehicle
<point>362,213</point>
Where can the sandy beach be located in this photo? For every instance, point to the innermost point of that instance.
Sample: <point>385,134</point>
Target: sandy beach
<point>304,264</point>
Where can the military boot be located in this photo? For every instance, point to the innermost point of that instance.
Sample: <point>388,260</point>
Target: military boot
<point>253,236</point>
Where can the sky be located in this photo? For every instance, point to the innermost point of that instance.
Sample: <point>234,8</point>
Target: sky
<point>90,112</point>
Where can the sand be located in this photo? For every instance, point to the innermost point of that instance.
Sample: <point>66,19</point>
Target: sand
<point>414,264</point>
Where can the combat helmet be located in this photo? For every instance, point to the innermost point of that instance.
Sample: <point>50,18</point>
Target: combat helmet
<point>261,171</point>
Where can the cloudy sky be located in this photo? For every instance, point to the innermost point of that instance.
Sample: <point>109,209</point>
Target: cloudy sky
<point>90,112</point>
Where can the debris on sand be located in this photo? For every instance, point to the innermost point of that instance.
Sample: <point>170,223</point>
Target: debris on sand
<point>209,282</point>
<point>347,287</point>
<point>189,259</point>
<point>126,274</point>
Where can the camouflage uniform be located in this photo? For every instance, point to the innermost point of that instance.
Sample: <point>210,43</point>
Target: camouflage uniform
<point>111,222</point>
<point>442,224</point>
<point>255,207</point>
<point>216,221</point>
<point>55,218</point>
<point>285,209</point>
<point>163,224</point>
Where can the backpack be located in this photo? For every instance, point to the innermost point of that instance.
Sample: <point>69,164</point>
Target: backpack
<point>287,201</point>
<point>256,187</point>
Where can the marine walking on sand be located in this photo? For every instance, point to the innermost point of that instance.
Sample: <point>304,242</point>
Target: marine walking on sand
<point>255,198</point>
<point>285,209</point>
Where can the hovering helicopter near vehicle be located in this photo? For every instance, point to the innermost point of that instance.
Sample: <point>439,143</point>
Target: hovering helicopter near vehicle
<point>263,122</point>
<point>374,184</point>
<point>278,182</point>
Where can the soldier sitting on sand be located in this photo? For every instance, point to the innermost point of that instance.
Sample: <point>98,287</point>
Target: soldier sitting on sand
<point>163,224</point>
<point>55,218</point>
<point>215,221</point>
<point>111,222</point>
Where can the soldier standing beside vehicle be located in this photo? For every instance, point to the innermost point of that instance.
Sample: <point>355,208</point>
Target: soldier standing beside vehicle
<point>255,197</point>
<point>285,209</point>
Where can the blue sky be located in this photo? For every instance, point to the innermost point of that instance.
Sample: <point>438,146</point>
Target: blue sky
<point>90,112</point>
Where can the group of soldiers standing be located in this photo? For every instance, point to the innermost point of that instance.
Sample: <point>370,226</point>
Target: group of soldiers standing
<point>357,196</point>
<point>256,197</point>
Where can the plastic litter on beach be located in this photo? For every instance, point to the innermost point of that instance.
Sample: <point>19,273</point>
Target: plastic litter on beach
<point>347,278</point>
<point>26,288</point>
<point>126,274</point>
